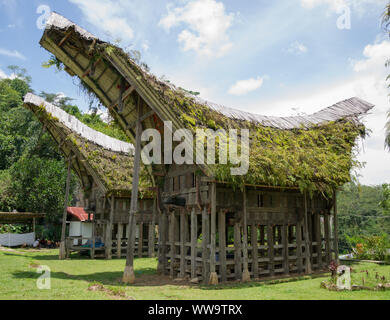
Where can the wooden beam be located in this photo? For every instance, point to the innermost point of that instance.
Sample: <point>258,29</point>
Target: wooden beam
<point>183,233</point>
<point>65,212</point>
<point>143,118</point>
<point>119,240</point>
<point>335,228</point>
<point>317,221</point>
<point>307,237</point>
<point>205,243</point>
<point>327,238</point>
<point>255,252</point>
<point>128,276</point>
<point>222,245</point>
<point>245,274</point>
<point>109,229</point>
<point>213,200</point>
<point>122,97</point>
<point>194,242</point>
<point>237,251</point>
<point>140,239</point>
<point>271,249</point>
<point>152,225</point>
<point>299,247</point>
<point>172,226</point>
<point>286,264</point>
<point>66,37</point>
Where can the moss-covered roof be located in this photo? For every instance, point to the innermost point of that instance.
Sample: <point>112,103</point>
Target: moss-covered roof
<point>313,152</point>
<point>112,169</point>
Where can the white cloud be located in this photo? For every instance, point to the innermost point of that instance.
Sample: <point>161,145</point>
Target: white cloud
<point>206,23</point>
<point>338,5</point>
<point>108,16</point>
<point>3,74</point>
<point>368,82</point>
<point>12,54</point>
<point>243,87</point>
<point>297,48</point>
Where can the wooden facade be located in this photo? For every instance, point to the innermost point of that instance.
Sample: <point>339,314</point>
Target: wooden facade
<point>208,230</point>
<point>110,207</point>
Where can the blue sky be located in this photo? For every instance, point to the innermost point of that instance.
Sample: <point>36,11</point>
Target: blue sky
<point>269,57</point>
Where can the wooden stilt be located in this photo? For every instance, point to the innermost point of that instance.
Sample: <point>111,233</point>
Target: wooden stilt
<point>141,240</point>
<point>182,244</point>
<point>162,251</point>
<point>119,240</point>
<point>194,240</point>
<point>317,219</point>
<point>222,245</point>
<point>335,228</point>
<point>255,252</point>
<point>62,254</point>
<point>213,200</point>
<point>109,229</point>
<point>128,275</point>
<point>271,248</point>
<point>307,239</point>
<point>93,240</point>
<point>245,274</point>
<point>205,244</point>
<point>152,234</point>
<point>237,252</point>
<point>286,263</point>
<point>327,239</point>
<point>172,221</point>
<point>299,247</point>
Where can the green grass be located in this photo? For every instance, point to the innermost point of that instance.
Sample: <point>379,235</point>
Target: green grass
<point>70,279</point>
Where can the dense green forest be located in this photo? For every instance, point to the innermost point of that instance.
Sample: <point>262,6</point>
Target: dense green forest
<point>33,171</point>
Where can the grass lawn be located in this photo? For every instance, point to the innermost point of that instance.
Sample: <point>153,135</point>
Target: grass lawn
<point>71,279</point>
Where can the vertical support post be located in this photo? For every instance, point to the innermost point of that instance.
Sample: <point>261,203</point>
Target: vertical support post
<point>222,245</point>
<point>327,238</point>
<point>306,234</point>
<point>162,251</point>
<point>255,252</point>
<point>205,244</point>
<point>152,235</point>
<point>128,275</point>
<point>271,248</point>
<point>213,201</point>
<point>317,219</point>
<point>141,240</point>
<point>286,264</point>
<point>109,229</point>
<point>194,240</point>
<point>172,221</point>
<point>335,228</point>
<point>245,274</point>
<point>299,247</point>
<point>182,244</point>
<point>237,251</point>
<point>66,200</point>
<point>93,239</point>
<point>119,240</point>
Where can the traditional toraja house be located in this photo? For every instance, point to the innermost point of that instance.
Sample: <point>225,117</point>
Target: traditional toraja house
<point>104,166</point>
<point>279,219</point>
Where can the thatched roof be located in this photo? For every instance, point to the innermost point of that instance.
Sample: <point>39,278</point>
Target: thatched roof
<point>18,217</point>
<point>99,158</point>
<point>311,152</point>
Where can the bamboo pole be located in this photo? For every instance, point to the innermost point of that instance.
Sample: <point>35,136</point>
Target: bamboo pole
<point>63,229</point>
<point>128,275</point>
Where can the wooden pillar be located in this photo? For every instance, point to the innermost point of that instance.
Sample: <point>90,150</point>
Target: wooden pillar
<point>194,240</point>
<point>205,244</point>
<point>245,274</point>
<point>183,232</point>
<point>286,263</point>
<point>237,251</point>
<point>93,239</point>
<point>172,243</point>
<point>271,248</point>
<point>62,254</point>
<point>222,245</point>
<point>213,204</point>
<point>335,228</point>
<point>141,240</point>
<point>119,240</point>
<point>317,219</point>
<point>152,227</point>
<point>162,252</point>
<point>327,239</point>
<point>128,275</point>
<point>255,252</point>
<point>307,239</point>
<point>109,229</point>
<point>299,247</point>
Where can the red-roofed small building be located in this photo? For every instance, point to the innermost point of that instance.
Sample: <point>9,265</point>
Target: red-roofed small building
<point>80,225</point>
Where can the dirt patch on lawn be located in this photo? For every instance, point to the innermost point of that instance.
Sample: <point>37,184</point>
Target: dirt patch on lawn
<point>116,293</point>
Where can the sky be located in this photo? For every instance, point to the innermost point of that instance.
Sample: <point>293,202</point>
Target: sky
<point>282,57</point>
